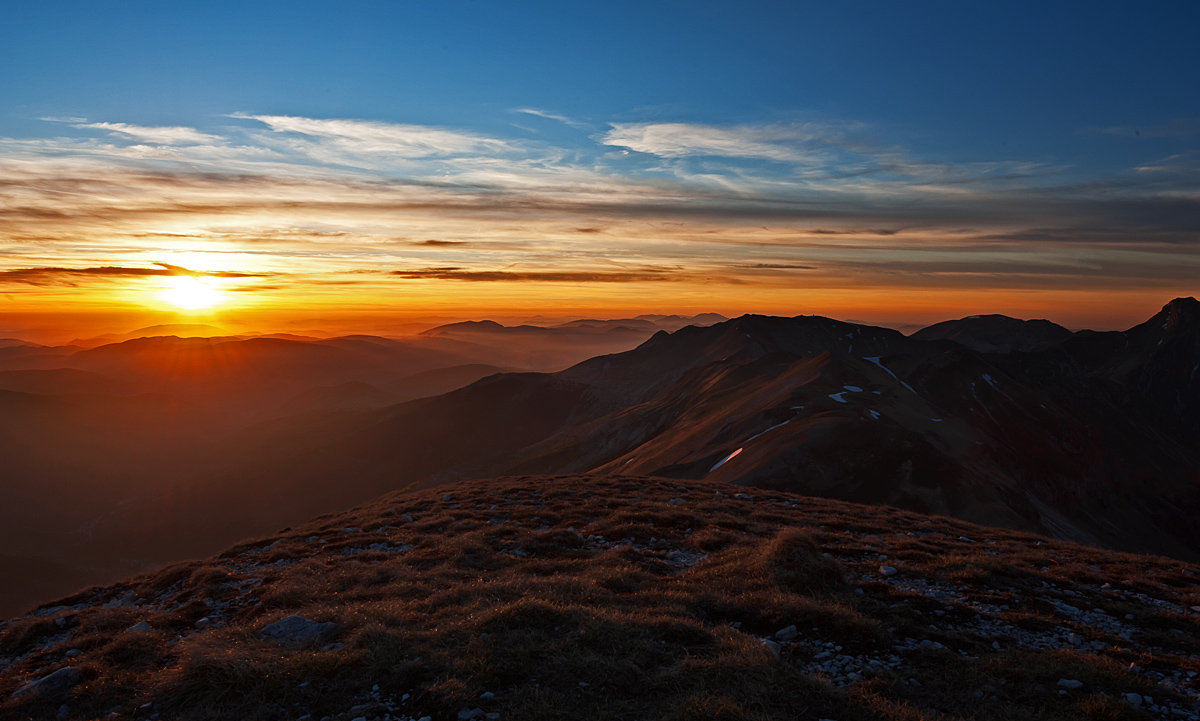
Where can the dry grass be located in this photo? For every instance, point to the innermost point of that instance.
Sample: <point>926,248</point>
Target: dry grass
<point>593,598</point>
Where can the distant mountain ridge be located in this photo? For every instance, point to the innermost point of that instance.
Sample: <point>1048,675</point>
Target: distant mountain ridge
<point>1093,438</point>
<point>1082,440</point>
<point>996,333</point>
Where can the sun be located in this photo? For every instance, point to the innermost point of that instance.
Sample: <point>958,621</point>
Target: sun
<point>190,293</point>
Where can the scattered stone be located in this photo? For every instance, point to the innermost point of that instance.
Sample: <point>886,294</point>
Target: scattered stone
<point>774,647</point>
<point>139,627</point>
<point>72,653</point>
<point>743,497</point>
<point>887,570</point>
<point>1070,683</point>
<point>203,623</point>
<point>297,630</point>
<point>787,634</point>
<point>583,684</point>
<point>468,714</point>
<point>60,680</point>
<point>447,498</point>
<point>676,502</point>
<point>1134,698</point>
<point>329,648</point>
<point>487,695</point>
<point>64,711</point>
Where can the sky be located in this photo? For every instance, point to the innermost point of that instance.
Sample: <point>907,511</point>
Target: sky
<point>360,164</point>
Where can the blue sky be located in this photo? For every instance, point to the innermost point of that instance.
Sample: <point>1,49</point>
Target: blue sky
<point>1016,146</point>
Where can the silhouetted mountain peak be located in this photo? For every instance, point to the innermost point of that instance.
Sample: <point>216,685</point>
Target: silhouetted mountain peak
<point>994,333</point>
<point>468,326</point>
<point>1181,313</point>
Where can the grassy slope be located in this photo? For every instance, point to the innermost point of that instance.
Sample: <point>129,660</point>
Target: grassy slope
<point>596,598</point>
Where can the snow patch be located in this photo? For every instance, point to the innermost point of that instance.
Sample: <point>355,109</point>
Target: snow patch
<point>725,460</point>
<point>838,397</point>
<point>756,435</point>
<point>853,389</point>
<point>874,414</point>
<point>887,370</point>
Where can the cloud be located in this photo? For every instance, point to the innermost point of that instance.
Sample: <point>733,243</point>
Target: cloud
<point>776,266</point>
<point>364,136</point>
<point>62,275</point>
<point>575,276</point>
<point>551,116</point>
<point>678,140</point>
<point>162,135</point>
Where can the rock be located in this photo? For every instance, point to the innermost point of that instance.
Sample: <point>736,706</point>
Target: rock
<point>72,653</point>
<point>139,627</point>
<point>468,714</point>
<point>676,502</point>
<point>487,695</point>
<point>772,646</point>
<point>887,570</point>
<point>1134,698</point>
<point>583,684</point>
<point>359,718</point>
<point>447,498</point>
<point>787,634</point>
<point>743,497</point>
<point>60,680</point>
<point>333,647</point>
<point>203,623</point>
<point>1070,683</point>
<point>297,630</point>
<point>63,711</point>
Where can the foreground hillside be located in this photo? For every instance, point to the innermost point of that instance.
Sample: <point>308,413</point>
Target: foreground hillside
<point>622,597</point>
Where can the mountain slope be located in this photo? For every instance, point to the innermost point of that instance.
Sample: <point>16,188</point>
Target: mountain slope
<point>1072,441</point>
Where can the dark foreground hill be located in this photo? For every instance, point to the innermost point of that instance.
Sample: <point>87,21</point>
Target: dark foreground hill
<point>620,597</point>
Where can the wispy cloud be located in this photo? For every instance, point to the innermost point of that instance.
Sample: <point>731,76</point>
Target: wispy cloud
<point>551,116</point>
<point>64,275</point>
<point>678,140</point>
<point>361,137</point>
<point>778,206</point>
<point>160,135</point>
<point>545,276</point>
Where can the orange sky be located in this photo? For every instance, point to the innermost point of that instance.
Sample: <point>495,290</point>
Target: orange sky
<point>347,227</point>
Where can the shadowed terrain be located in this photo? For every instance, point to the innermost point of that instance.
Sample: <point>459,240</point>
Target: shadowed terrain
<point>622,597</point>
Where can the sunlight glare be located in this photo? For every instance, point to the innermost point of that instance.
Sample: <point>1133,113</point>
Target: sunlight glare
<point>190,293</point>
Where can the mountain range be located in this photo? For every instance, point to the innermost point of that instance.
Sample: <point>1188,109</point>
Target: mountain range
<point>1087,436</point>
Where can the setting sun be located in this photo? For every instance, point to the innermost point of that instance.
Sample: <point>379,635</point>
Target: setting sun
<point>191,293</point>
